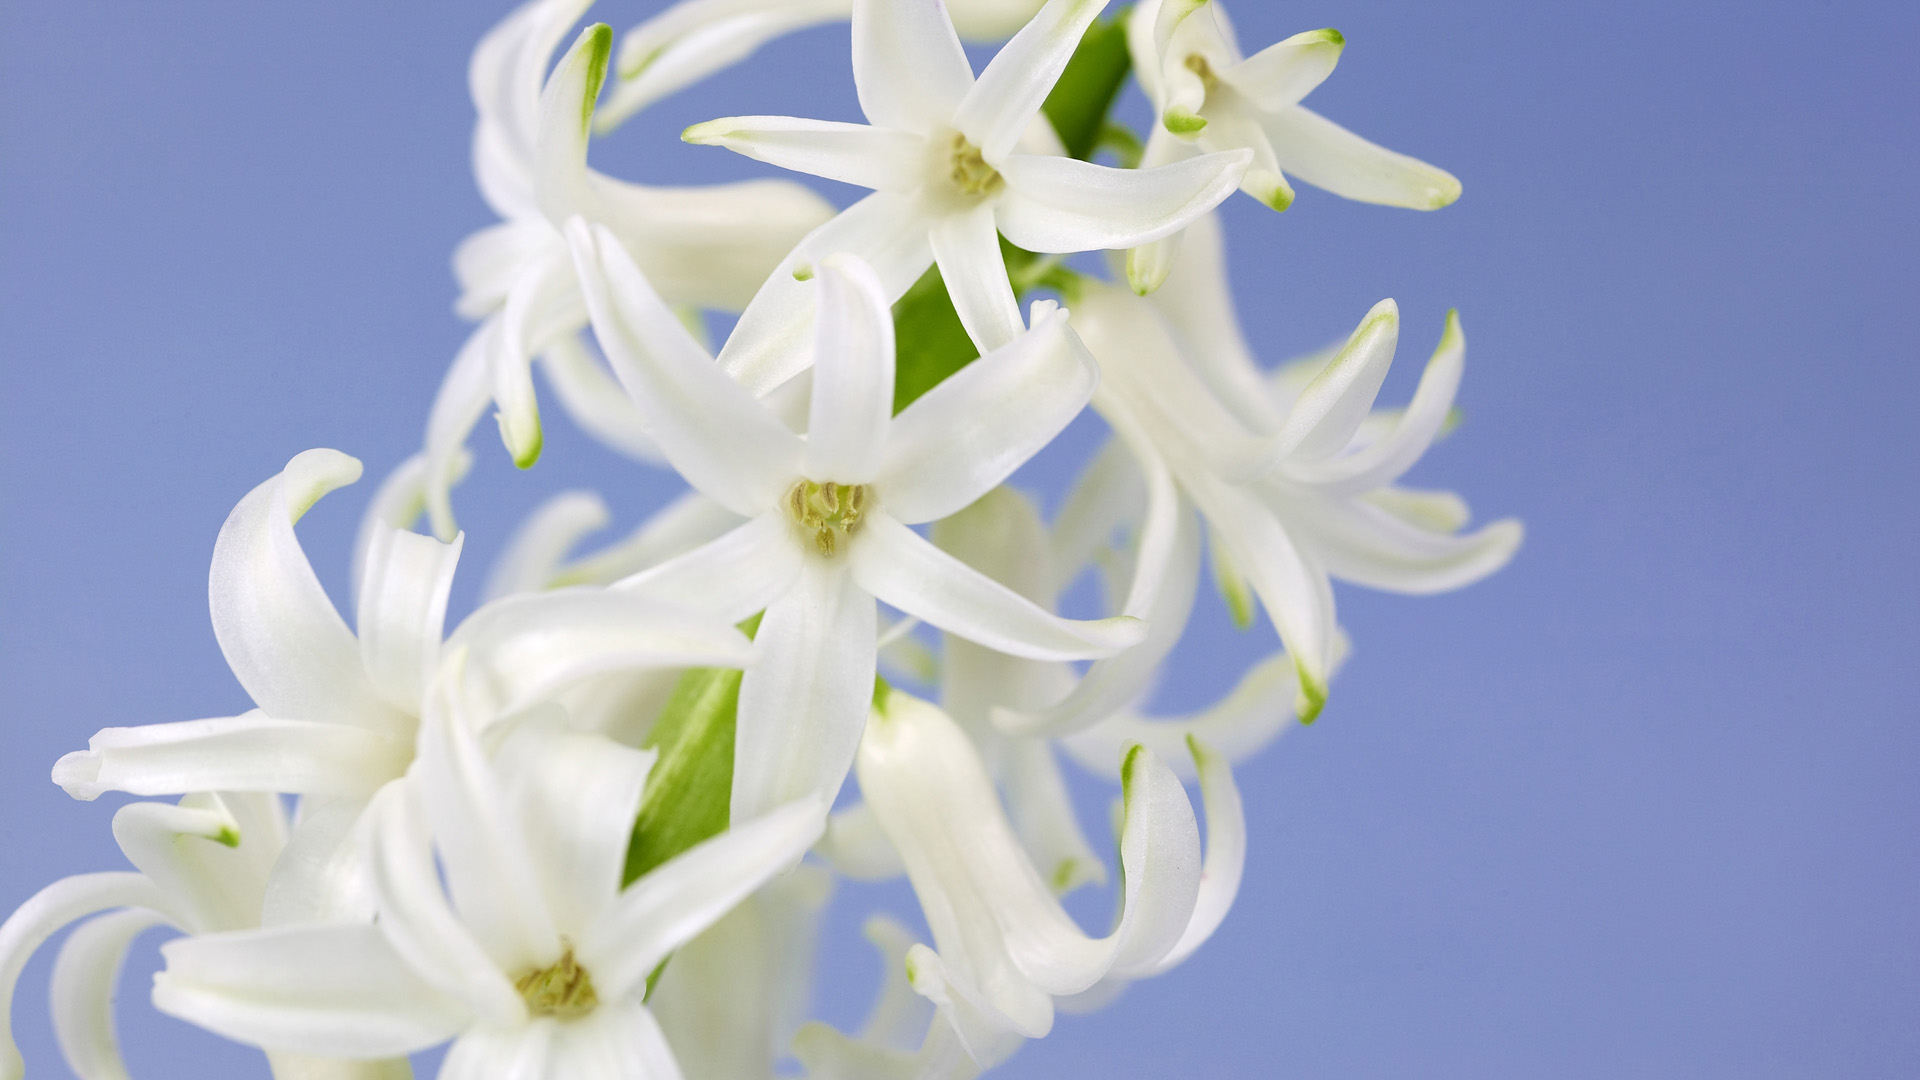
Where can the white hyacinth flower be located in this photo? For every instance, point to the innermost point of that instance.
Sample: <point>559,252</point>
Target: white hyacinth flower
<point>704,246</point>
<point>829,513</point>
<point>940,150</point>
<point>1210,97</point>
<point>531,956</point>
<point>338,711</point>
<point>1295,483</point>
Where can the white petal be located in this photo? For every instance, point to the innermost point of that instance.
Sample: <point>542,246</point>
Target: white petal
<point>86,979</point>
<point>578,794</point>
<point>483,846</point>
<point>336,990</point>
<point>565,119</point>
<point>732,577</point>
<point>253,752</point>
<point>680,526</point>
<point>710,246</point>
<point>457,407</point>
<point>1370,546</point>
<point>214,877</point>
<point>907,64</point>
<point>1331,408</point>
<point>539,547</point>
<point>1226,857</point>
<point>882,158</point>
<point>1108,494</point>
<point>856,847</point>
<point>711,429</point>
<point>1237,726</point>
<point>967,249</point>
<point>1329,156</point>
<point>997,108</point>
<point>895,564</point>
<point>1385,459</point>
<point>524,649</point>
<point>396,504</point>
<point>620,1040</point>
<point>403,591</point>
<point>966,435</point>
<point>852,405</point>
<point>489,261</point>
<point>281,635</point>
<point>1286,71</point>
<point>596,402</point>
<point>320,876</point>
<point>45,913</point>
<point>989,1034</point>
<point>674,902</point>
<point>419,924</point>
<point>1043,816</point>
<point>802,706</point>
<point>773,341</point>
<point>898,1015</point>
<point>543,302</point>
<point>1057,204</point>
<point>1197,306</point>
<point>666,54</point>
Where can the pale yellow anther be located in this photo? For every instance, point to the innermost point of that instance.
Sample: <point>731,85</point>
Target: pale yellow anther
<point>563,991</point>
<point>969,171</point>
<point>829,511</point>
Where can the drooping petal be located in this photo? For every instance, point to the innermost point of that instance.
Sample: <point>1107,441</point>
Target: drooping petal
<point>86,979</point>
<point>881,158</point>
<point>896,565</point>
<point>253,752</point>
<point>997,108</point>
<point>524,649</point>
<point>987,1032</point>
<point>1058,204</point>
<point>537,549</point>
<point>1226,857</point>
<point>1332,407</point>
<point>711,429</point>
<point>45,912</point>
<point>1282,73</point>
<point>1108,494</point>
<point>1368,545</point>
<point>403,590</point>
<point>335,990</point>
<point>457,407</point>
<point>281,635</point>
<point>908,66</point>
<point>1329,156</point>
<point>732,577</point>
<point>898,1015</point>
<point>852,405</point>
<point>966,435</point>
<point>596,402</point>
<point>802,706</point>
<point>1383,461</point>
<point>674,902</point>
<point>966,246</point>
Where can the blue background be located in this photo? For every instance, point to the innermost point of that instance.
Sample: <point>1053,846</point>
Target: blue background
<point>1644,804</point>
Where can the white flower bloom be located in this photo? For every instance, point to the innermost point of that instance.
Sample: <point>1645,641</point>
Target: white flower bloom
<point>202,866</point>
<point>704,246</point>
<point>532,955</point>
<point>1208,96</point>
<point>940,152</point>
<point>338,711</point>
<point>1293,481</point>
<point>828,514</point>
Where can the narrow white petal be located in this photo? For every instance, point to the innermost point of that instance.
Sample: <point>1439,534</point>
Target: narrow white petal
<point>44,914</point>
<point>674,902</point>
<point>1240,724</point>
<point>319,876</point>
<point>1109,493</point>
<point>596,402</point>
<point>543,300</point>
<point>856,847</point>
<point>1196,304</point>
<point>1383,461</point>
<point>281,635</point>
<point>680,526</point>
<point>565,120</point>
<point>712,245</point>
<point>1329,156</point>
<point>1368,545</point>
<point>619,1040</point>
<point>907,64</point>
<point>253,752</point>
<point>732,577</point>
<point>1043,816</point>
<point>457,407</point>
<point>881,158</point>
<point>852,407</point>
<point>403,589</point>
<point>997,108</point>
<point>86,980</point>
<point>773,341</point>
<point>897,565</point>
<point>987,1032</point>
<point>966,435</point>
<point>338,990</point>
<point>802,706</point>
<point>1282,73</point>
<point>1226,857</point>
<point>990,20</point>
<point>654,65</point>
<point>213,875</point>
<point>1058,204</point>
<point>397,503</point>
<point>1331,408</point>
<point>489,261</point>
<point>524,649</point>
<point>898,1015</point>
<point>711,429</point>
<point>966,245</point>
<point>539,547</point>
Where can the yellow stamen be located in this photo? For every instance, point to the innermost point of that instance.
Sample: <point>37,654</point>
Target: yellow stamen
<point>830,511</point>
<point>563,991</point>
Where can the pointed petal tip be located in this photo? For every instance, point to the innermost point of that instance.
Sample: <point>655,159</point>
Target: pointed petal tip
<point>1184,122</point>
<point>78,774</point>
<point>1313,695</point>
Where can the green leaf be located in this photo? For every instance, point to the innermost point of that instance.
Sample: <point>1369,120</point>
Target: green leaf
<point>1079,103</point>
<point>691,785</point>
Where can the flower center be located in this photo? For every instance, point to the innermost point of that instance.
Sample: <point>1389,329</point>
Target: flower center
<point>1199,66</point>
<point>968,170</point>
<point>829,511</point>
<point>563,991</point>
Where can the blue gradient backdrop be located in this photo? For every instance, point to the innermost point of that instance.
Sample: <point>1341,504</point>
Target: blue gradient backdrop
<point>1645,804</point>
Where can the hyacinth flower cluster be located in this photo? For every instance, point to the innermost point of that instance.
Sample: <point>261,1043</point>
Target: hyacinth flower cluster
<point>589,830</point>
